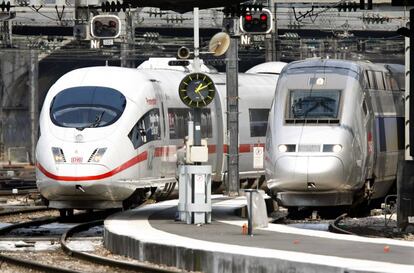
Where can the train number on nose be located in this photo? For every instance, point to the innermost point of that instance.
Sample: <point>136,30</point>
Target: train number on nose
<point>76,160</point>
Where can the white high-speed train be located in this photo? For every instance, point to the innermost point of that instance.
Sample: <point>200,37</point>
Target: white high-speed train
<point>110,135</point>
<point>336,132</point>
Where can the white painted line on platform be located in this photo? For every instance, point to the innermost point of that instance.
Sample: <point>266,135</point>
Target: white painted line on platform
<point>127,224</point>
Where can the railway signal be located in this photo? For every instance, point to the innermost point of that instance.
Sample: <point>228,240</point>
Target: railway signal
<point>105,26</point>
<point>256,21</point>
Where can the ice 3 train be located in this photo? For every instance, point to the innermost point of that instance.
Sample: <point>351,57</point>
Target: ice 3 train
<point>336,132</point>
<point>109,136</point>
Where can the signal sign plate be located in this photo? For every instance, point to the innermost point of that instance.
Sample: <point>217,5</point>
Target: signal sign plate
<point>258,157</point>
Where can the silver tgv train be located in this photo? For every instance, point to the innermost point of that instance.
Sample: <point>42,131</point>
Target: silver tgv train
<point>335,132</point>
<point>110,135</point>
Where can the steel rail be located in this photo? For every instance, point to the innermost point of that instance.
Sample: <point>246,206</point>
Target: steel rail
<point>28,263</point>
<point>136,265</point>
<point>30,210</point>
<point>34,265</point>
<point>38,222</point>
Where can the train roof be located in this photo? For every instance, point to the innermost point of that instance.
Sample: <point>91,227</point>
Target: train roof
<point>356,66</point>
<point>267,68</point>
<point>131,80</point>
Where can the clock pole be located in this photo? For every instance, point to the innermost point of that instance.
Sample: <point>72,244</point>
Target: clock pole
<point>197,68</point>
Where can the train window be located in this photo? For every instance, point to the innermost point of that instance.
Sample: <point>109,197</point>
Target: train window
<point>178,118</point>
<point>87,107</point>
<point>258,122</point>
<point>314,104</point>
<point>391,133</point>
<point>367,80</point>
<point>372,84</point>
<point>379,80</point>
<point>147,129</point>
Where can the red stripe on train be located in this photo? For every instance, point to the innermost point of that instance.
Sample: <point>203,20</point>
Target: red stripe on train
<point>159,151</point>
<point>135,160</point>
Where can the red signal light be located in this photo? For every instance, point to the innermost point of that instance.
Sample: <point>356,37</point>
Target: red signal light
<point>248,17</point>
<point>263,17</point>
<point>112,23</point>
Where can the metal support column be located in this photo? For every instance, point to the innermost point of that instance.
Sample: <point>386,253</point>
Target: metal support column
<point>232,68</point>
<point>407,99</point>
<point>34,103</point>
<point>411,86</point>
<point>6,32</point>
<point>272,53</point>
<point>405,172</point>
<point>127,47</point>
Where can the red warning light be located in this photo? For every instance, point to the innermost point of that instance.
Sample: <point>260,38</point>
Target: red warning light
<point>112,23</point>
<point>263,17</point>
<point>248,17</point>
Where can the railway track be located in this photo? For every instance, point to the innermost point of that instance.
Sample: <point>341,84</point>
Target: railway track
<point>75,260</point>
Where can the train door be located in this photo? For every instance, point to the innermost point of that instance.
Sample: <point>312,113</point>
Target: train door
<point>389,133</point>
<point>216,154</point>
<point>145,136</point>
<point>368,127</point>
<point>165,152</point>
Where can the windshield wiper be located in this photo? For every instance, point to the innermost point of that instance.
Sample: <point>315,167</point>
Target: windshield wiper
<point>97,121</point>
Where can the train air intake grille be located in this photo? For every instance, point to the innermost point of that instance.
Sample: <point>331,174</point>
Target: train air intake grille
<point>313,121</point>
<point>309,148</point>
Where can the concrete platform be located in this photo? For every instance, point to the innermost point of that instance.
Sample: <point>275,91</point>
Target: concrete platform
<point>151,234</point>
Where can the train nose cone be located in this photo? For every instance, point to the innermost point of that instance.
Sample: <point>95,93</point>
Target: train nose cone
<point>293,173</point>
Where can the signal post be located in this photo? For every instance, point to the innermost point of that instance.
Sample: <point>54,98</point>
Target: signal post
<point>405,173</point>
<point>232,83</point>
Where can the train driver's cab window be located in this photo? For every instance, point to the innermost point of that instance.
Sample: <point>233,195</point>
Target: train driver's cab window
<point>375,80</point>
<point>370,76</point>
<point>313,104</point>
<point>379,80</point>
<point>87,107</point>
<point>147,129</point>
<point>178,118</point>
<point>258,122</point>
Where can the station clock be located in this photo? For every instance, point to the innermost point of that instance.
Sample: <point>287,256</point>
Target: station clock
<point>197,90</point>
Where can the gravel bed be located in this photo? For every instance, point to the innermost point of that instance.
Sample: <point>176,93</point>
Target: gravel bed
<point>60,259</point>
<point>28,216</point>
<point>11,268</point>
<point>377,226</point>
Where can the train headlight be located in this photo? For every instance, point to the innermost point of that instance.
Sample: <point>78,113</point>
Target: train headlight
<point>332,148</point>
<point>58,155</point>
<point>290,148</point>
<point>97,155</point>
<point>337,148</point>
<point>282,148</point>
